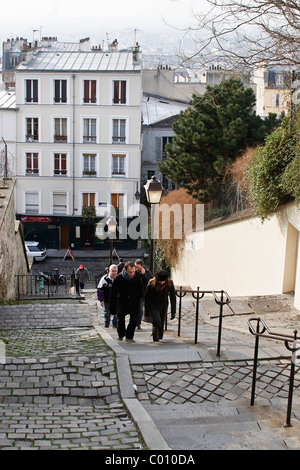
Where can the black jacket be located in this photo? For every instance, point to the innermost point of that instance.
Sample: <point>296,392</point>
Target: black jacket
<point>126,294</point>
<point>104,288</point>
<point>158,299</point>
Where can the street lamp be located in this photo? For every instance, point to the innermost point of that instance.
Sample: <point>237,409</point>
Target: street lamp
<point>112,226</point>
<point>154,191</point>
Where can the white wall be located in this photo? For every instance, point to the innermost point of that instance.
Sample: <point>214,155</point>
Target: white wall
<point>245,257</point>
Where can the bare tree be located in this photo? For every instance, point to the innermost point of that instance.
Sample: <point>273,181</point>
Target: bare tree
<point>245,33</point>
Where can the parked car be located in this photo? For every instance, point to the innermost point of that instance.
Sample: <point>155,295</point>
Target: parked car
<point>36,250</point>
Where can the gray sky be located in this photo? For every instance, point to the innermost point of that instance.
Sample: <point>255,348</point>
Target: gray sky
<point>73,19</point>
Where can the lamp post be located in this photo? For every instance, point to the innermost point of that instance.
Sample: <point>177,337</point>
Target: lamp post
<point>154,191</point>
<point>112,226</point>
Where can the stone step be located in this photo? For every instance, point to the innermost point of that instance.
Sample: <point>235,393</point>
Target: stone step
<point>219,426</point>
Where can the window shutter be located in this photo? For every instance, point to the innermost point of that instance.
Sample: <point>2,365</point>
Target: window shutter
<point>86,91</point>
<point>35,91</point>
<point>64,91</point>
<point>93,91</point>
<point>158,148</point>
<point>28,91</point>
<point>116,92</point>
<point>123,92</point>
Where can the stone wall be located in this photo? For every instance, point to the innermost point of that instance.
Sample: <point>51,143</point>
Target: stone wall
<point>13,259</point>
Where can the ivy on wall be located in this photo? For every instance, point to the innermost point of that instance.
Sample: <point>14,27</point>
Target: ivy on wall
<point>274,171</point>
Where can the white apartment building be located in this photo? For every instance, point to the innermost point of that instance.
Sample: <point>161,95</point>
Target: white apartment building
<point>78,142</point>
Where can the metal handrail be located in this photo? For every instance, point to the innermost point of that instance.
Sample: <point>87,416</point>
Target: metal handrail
<point>198,294</point>
<point>261,329</point>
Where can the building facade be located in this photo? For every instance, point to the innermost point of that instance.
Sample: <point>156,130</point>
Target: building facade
<point>273,89</point>
<point>78,148</point>
<point>158,116</point>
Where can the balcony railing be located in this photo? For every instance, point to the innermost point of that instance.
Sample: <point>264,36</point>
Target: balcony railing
<point>60,138</point>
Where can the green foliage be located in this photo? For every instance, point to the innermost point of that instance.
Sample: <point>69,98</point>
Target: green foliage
<point>291,177</point>
<point>273,173</point>
<point>210,135</point>
<point>88,214</point>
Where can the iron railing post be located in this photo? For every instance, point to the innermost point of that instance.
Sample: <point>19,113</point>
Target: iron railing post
<point>179,311</point>
<point>292,378</point>
<point>255,360</point>
<point>220,326</point>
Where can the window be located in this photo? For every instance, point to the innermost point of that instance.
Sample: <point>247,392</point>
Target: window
<point>88,200</point>
<point>32,203</point>
<point>60,91</point>
<point>89,91</point>
<point>32,163</point>
<point>119,90</point>
<point>119,131</point>
<point>89,130</point>
<point>60,164</point>
<point>118,165</point>
<point>31,91</point>
<point>150,173</point>
<point>165,141</point>
<point>32,129</point>
<point>13,62</point>
<point>89,164</point>
<point>279,78</point>
<point>60,130</point>
<point>277,101</point>
<point>60,203</point>
<point>160,147</point>
<point>117,201</point>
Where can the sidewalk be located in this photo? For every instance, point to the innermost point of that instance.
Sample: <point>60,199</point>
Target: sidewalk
<point>59,388</point>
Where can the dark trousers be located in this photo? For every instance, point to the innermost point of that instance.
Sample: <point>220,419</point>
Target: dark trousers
<point>129,331</point>
<point>158,322</point>
<point>107,316</point>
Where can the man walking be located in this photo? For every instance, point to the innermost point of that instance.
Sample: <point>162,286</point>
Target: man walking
<point>127,290</point>
<point>81,276</point>
<point>147,275</point>
<point>103,294</point>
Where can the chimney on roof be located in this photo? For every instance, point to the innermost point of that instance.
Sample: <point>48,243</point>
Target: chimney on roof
<point>85,45</point>
<point>113,47</point>
<point>136,54</point>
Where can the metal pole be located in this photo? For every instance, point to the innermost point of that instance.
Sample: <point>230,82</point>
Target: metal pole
<point>111,252</point>
<point>291,386</point>
<point>179,313</point>
<point>290,399</point>
<point>220,326</point>
<point>5,162</point>
<point>255,364</point>
<point>197,317</point>
<point>152,238</point>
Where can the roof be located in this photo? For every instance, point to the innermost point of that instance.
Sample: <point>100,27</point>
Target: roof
<point>155,110</point>
<point>7,99</point>
<point>91,61</point>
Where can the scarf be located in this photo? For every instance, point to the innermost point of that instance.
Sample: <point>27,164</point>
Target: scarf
<point>125,275</point>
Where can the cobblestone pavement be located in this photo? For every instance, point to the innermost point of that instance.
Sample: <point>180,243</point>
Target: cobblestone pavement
<point>211,382</point>
<point>59,387</point>
<point>58,384</point>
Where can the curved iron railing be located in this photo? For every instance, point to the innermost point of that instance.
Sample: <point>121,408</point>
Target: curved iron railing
<point>221,298</point>
<point>290,341</point>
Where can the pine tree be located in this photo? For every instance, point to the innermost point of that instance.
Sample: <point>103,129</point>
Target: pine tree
<point>210,134</point>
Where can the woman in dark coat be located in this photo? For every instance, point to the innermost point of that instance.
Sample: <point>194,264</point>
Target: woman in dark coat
<point>158,291</point>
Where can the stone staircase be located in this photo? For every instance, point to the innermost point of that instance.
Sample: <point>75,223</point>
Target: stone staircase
<point>223,426</point>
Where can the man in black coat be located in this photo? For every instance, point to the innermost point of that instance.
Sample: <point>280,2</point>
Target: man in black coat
<point>127,290</point>
<point>158,292</point>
